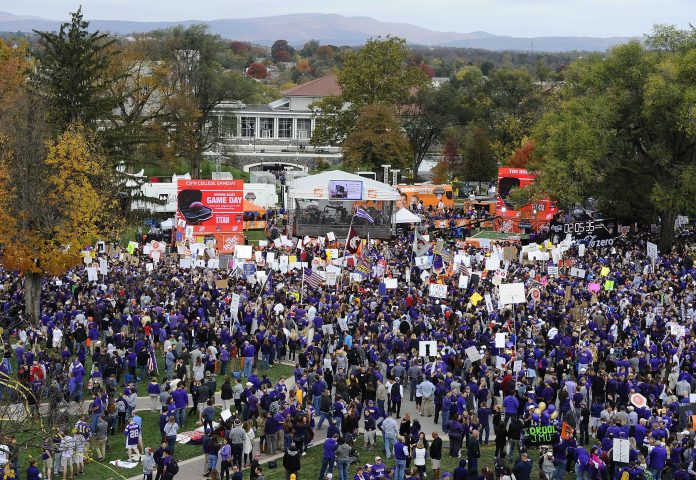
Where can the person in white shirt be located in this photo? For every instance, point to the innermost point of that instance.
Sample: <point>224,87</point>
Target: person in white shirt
<point>57,335</point>
<point>67,445</point>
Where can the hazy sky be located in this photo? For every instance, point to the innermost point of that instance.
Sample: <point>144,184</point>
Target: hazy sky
<point>503,17</point>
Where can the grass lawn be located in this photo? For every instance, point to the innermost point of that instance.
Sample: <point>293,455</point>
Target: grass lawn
<point>253,236</point>
<point>151,435</point>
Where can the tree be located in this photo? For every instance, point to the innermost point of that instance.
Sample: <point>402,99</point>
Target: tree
<point>625,132</point>
<point>257,71</point>
<point>424,118</point>
<point>200,83</point>
<point>50,199</point>
<point>309,48</point>
<point>377,73</point>
<point>478,159</point>
<point>376,140</point>
<point>281,51</point>
<point>72,73</point>
<point>522,155</point>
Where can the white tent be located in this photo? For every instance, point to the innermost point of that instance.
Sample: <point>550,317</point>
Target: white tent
<point>317,187</point>
<point>405,216</point>
<point>168,224</point>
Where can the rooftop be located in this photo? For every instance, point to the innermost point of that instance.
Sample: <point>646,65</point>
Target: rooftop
<point>320,87</point>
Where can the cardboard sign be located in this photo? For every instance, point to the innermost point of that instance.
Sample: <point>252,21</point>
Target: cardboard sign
<point>499,340</point>
<point>463,281</point>
<point>577,272</point>
<point>427,348</point>
<point>604,271</point>
<point>489,302</point>
<point>540,435</point>
<point>552,271</point>
<point>473,354</point>
<point>92,274</point>
<point>512,293</point>
<point>621,450</point>
<point>243,252</point>
<point>221,284</point>
<point>391,283</point>
<point>437,290</point>
<point>652,250</point>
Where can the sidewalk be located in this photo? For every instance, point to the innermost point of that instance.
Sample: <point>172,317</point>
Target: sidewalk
<point>193,467</point>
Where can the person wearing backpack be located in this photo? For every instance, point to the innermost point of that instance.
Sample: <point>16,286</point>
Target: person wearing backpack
<point>207,415</point>
<point>170,468</point>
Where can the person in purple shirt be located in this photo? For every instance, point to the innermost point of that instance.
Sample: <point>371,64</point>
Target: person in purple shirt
<point>511,405</point>
<point>249,352</point>
<point>181,401</point>
<point>327,462</point>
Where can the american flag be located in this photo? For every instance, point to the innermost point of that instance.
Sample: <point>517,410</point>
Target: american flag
<point>363,214</point>
<point>151,363</point>
<point>463,270</point>
<point>312,278</point>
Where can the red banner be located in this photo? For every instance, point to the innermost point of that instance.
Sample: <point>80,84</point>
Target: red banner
<point>209,207</point>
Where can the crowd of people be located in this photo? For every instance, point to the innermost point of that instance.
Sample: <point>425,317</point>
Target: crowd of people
<point>572,358</point>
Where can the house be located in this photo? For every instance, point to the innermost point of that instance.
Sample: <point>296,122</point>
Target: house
<point>286,121</point>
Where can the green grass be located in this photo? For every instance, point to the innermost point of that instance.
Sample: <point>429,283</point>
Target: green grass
<point>253,236</point>
<point>151,436</point>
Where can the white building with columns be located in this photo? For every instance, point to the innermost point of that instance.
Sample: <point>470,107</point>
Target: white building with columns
<point>287,121</point>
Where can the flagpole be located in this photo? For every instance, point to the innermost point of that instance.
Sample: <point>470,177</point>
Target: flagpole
<point>302,287</point>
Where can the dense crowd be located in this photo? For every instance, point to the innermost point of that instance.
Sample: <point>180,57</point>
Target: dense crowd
<point>572,359</point>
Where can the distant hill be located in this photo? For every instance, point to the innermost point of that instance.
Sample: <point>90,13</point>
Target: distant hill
<point>329,29</point>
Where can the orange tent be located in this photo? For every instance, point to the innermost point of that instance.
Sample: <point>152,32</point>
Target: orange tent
<point>252,207</point>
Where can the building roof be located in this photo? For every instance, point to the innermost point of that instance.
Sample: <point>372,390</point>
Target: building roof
<point>320,87</point>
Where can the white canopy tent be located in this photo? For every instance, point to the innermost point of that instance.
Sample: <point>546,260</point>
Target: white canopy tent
<point>405,216</point>
<point>316,187</point>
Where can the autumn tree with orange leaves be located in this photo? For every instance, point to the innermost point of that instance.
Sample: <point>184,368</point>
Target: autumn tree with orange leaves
<point>50,201</point>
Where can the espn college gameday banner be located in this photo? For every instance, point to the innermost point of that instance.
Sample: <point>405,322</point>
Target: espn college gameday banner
<point>211,208</point>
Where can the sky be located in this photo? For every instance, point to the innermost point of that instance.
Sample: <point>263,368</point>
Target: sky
<point>597,18</point>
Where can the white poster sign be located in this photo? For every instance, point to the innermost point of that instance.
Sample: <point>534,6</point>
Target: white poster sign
<point>652,250</point>
<point>511,293</point>
<point>92,274</point>
<point>427,348</point>
<point>577,272</point>
<point>499,340</point>
<point>621,450</point>
<point>437,290</point>
<point>243,251</point>
<point>473,354</point>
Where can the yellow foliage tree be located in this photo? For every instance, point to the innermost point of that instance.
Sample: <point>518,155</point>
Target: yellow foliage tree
<point>50,201</point>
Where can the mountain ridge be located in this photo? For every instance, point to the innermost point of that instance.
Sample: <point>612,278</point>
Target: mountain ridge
<point>335,29</point>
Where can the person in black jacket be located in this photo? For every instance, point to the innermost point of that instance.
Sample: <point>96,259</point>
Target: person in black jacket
<point>523,467</point>
<point>473,453</point>
<point>291,460</point>
<point>514,434</point>
<point>500,437</point>
<point>436,454</point>
<point>226,394</point>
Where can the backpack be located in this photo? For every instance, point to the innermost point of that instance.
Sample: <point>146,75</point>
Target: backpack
<point>173,467</point>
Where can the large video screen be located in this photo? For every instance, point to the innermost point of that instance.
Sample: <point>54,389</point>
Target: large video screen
<point>345,190</point>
